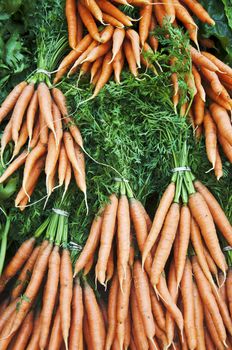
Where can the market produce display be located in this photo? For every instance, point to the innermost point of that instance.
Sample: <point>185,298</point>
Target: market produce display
<point>115,175</point>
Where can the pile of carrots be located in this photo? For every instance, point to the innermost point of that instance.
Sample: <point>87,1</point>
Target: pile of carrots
<point>44,138</point>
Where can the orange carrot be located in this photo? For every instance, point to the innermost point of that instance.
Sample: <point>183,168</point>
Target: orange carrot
<point>45,105</point>
<point>157,310</point>
<point>113,11</point>
<point>203,217</point>
<point>80,29</point>
<point>199,109</point>
<point>169,9</point>
<point>107,33</point>
<point>214,81</point>
<point>107,234</point>
<point>17,262</point>
<point>199,11</point>
<point>70,11</point>
<point>77,316</point>
<point>24,334</point>
<point>208,341</point>
<point>34,338</point>
<point>91,243</point>
<point>95,67</point>
<point>112,21</point>
<point>107,70</point>
<point>66,285</point>
<point>110,266</point>
<point>199,319</point>
<point>94,9</point>
<point>228,289</point>
<point>210,138</point>
<point>88,266</point>
<point>127,331</point>
<point>158,220</point>
<point>7,313</point>
<point>159,12</point>
<point>212,330</point>
<point>174,292</point>
<point>222,120</point>
<point>218,171</point>
<point>218,99</point>
<point>57,119</point>
<point>118,64</point>
<point>130,57</point>
<point>88,21</point>
<point>176,96</point>
<point>80,176</point>
<point>20,160</point>
<point>98,51</point>
<point>165,244</point>
<point>133,36</point>
<point>19,110</point>
<point>31,114</point>
<point>51,158</point>
<point>70,150</point>
<point>197,79</point>
<point>56,338</point>
<point>144,23</point>
<point>6,138</point>
<point>152,39</point>
<point>43,133</point>
<point>118,37</point>
<point>63,162</point>
<point>112,307</point>
<point>221,65</point>
<point>95,319</point>
<point>201,60</point>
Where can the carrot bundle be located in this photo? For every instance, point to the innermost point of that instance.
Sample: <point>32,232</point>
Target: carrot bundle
<point>37,119</point>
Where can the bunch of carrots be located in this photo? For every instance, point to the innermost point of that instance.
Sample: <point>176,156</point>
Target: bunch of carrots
<point>44,138</point>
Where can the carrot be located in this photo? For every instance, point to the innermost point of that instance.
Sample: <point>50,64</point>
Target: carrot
<point>142,291</point>
<point>61,103</point>
<point>222,286</point>
<point>110,266</point>
<point>227,148</point>
<point>87,336</point>
<point>208,341</point>
<point>107,234</point>
<point>159,12</point>
<point>123,237</point>
<point>133,36</point>
<point>200,60</point>
<point>74,68</point>
<point>103,308</point>
<point>118,37</point>
<point>66,285</point>
<point>165,244</point>
<point>51,157</point>
<point>224,311</point>
<point>197,79</point>
<point>144,23</point>
<point>21,140</point>
<point>91,243</point>
<point>70,150</point>
<point>49,296</point>
<point>122,307</point>
<point>19,110</point>
<point>182,14</point>
<point>213,79</point>
<point>107,33</point>
<point>88,21</point>
<point>152,39</point>
<point>158,220</point>
<point>127,331</point>
<point>112,307</point>
<point>17,262</point>
<point>212,330</point>
<point>218,171</point>
<point>34,338</point>
<point>113,11</point>
<point>70,11</point>
<point>169,303</point>
<point>199,11</point>
<point>95,319</point>
<point>56,338</point>
<point>184,236</point>
<point>77,316</point>
<point>203,217</point>
<point>7,313</point>
<point>107,70</point>
<point>161,337</point>
<point>188,305</point>
<point>169,9</point>
<point>6,138</point>
<point>222,120</point>
<point>146,216</point>
<point>218,99</point>
<point>137,322</point>
<point>210,138</point>
<point>157,310</point>
<point>176,96</point>
<point>80,29</point>
<point>128,50</point>
<point>118,64</point>
<point>174,292</point>
<point>228,289</point>
<point>199,319</point>
<point>26,272</point>
<point>94,9</point>
<point>45,105</point>
<point>112,21</point>
<point>20,160</point>
<point>80,176</point>
<point>62,167</point>
<point>5,339</point>
<point>31,114</point>
<point>72,57</point>
<point>211,264</point>
<point>223,67</point>
<point>57,119</point>
<point>199,109</point>
<point>95,67</point>
<point>208,299</point>
<point>96,77</point>
<point>98,51</point>
<point>33,287</point>
<point>24,333</point>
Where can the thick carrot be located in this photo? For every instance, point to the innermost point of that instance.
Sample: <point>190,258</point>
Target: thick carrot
<point>210,138</point>
<point>45,105</point>
<point>122,307</point>
<point>57,119</point>
<point>19,110</point>
<point>123,237</point>
<point>158,220</point>
<point>182,13</point>
<point>188,305</point>
<point>112,307</point>
<point>142,291</point>
<point>31,114</point>
<point>72,57</point>
<point>223,67</point>
<point>212,330</point>
<point>80,29</point>
<point>161,337</point>
<point>25,274</point>
<point>218,99</point>
<point>22,139</point>
<point>6,314</point>
<point>197,79</point>
<point>218,171</point>
<point>33,287</point>
<point>34,338</point>
<point>95,319</point>
<point>107,33</point>
<point>98,51</point>
<point>157,310</point>
<point>6,138</point>
<point>130,57</point>
<point>199,11</point>
<point>159,12</point>
<point>17,262</point>
<point>88,21</point>
<point>222,120</point>
<point>61,103</point>
<point>77,316</point>
<point>107,234</point>
<point>213,79</point>
<point>113,11</point>
<point>184,236</point>
<point>63,162</point>
<point>43,132</point>
<point>70,150</point>
<point>199,109</point>
<point>144,23</point>
<point>176,96</point>
<point>199,319</point>
<point>25,332</point>
<point>10,101</point>
<point>91,244</point>
<point>118,64</point>
<point>49,296</point>
<point>169,9</point>
<point>70,12</point>
<point>208,299</point>
<point>5,338</point>
<point>80,176</point>
<point>94,9</point>
<point>203,217</point>
<point>112,21</point>
<point>107,70</point>
<point>200,60</point>
<point>133,36</point>
<point>118,37</point>
<point>66,285</point>
<point>56,338</point>
<point>88,266</point>
<point>165,244</point>
<point>51,157</point>
<point>20,160</point>
<point>138,322</point>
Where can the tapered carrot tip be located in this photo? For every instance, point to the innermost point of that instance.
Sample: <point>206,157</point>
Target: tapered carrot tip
<point>66,343</point>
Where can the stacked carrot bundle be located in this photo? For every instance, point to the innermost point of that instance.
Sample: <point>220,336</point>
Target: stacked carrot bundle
<point>44,137</point>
